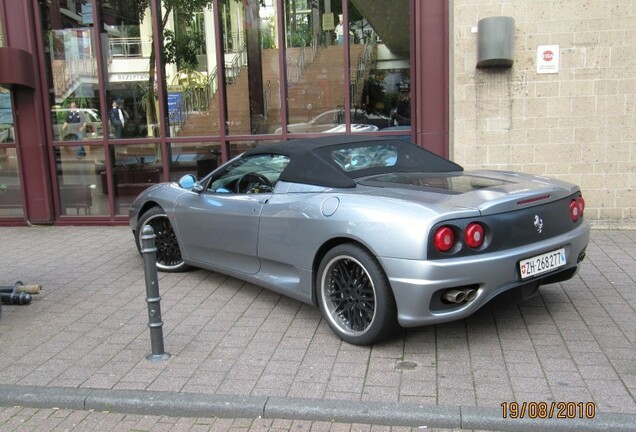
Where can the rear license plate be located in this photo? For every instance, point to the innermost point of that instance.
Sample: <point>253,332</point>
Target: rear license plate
<point>542,263</point>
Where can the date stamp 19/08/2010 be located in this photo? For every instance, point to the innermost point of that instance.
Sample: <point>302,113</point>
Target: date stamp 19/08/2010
<point>548,410</point>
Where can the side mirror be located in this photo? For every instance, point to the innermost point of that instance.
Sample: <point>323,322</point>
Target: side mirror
<point>188,181</point>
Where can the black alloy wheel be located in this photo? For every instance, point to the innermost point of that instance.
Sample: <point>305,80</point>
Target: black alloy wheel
<point>354,295</point>
<point>168,252</point>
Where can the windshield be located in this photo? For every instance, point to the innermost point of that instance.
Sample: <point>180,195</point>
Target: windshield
<point>238,176</point>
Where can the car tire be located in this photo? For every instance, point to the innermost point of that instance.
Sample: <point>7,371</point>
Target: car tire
<point>354,295</point>
<point>168,252</point>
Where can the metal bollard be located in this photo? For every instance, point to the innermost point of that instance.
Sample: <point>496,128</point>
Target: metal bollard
<point>149,252</point>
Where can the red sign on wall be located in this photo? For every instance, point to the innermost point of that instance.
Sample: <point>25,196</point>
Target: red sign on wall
<point>547,59</point>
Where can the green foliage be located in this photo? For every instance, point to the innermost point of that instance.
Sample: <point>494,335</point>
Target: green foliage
<point>300,36</point>
<point>142,95</point>
<point>266,40</point>
<point>182,49</point>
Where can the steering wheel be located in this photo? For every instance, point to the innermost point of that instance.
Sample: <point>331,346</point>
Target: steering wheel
<point>253,183</point>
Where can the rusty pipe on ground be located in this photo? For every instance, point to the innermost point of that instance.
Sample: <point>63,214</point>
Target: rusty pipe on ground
<point>19,287</point>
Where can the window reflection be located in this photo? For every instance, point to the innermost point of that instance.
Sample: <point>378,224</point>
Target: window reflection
<point>72,69</point>
<point>10,187</point>
<point>80,187</point>
<point>129,54</point>
<point>7,130</point>
<point>191,73</point>
<point>76,123</point>
<point>1,33</point>
<point>251,55</point>
<point>315,58</point>
<point>134,168</point>
<point>198,159</point>
<point>379,61</point>
<point>238,147</point>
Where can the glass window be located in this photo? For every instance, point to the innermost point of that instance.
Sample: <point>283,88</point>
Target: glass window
<point>252,72</point>
<point>359,158</point>
<point>72,70</point>
<point>80,178</point>
<point>128,52</point>
<point>75,123</point>
<point>7,131</point>
<point>455,184</point>
<point>315,58</point>
<point>189,45</point>
<point>253,174</point>
<point>198,159</point>
<point>135,168</point>
<point>380,87</point>
<point>238,147</point>
<point>1,33</point>
<point>10,187</point>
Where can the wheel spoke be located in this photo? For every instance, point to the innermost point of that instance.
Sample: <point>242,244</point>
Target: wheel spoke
<point>367,309</point>
<point>350,294</point>
<point>355,319</point>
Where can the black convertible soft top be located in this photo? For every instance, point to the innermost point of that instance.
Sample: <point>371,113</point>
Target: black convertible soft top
<point>311,161</point>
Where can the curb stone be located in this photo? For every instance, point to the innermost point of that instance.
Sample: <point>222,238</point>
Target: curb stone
<point>228,406</point>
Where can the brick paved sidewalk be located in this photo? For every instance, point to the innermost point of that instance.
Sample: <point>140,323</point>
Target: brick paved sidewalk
<point>88,329</point>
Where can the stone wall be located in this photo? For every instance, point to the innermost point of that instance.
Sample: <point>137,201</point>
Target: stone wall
<point>578,125</point>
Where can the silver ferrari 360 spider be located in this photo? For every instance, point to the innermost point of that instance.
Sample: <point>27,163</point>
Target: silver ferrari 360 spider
<point>375,231</point>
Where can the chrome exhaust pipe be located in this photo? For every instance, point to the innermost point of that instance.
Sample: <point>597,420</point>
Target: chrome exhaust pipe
<point>469,294</point>
<point>454,296</point>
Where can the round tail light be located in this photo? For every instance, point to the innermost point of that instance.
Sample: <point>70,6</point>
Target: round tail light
<point>444,239</point>
<point>474,235</point>
<point>575,210</point>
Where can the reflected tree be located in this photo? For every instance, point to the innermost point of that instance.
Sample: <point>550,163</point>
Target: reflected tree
<point>179,50</point>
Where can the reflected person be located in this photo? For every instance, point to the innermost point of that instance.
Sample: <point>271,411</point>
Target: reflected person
<point>116,117</point>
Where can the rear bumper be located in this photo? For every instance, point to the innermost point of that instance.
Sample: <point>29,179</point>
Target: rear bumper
<point>417,284</point>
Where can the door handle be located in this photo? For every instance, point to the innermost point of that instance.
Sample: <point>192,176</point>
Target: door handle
<point>263,200</point>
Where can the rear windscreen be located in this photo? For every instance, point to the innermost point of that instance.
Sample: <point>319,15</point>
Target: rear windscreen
<point>453,184</point>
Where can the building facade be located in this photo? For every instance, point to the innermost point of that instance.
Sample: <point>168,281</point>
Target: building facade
<point>573,119</point>
<point>101,98</point>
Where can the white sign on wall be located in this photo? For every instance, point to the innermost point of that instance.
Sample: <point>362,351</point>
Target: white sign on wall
<point>130,76</point>
<point>547,59</point>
